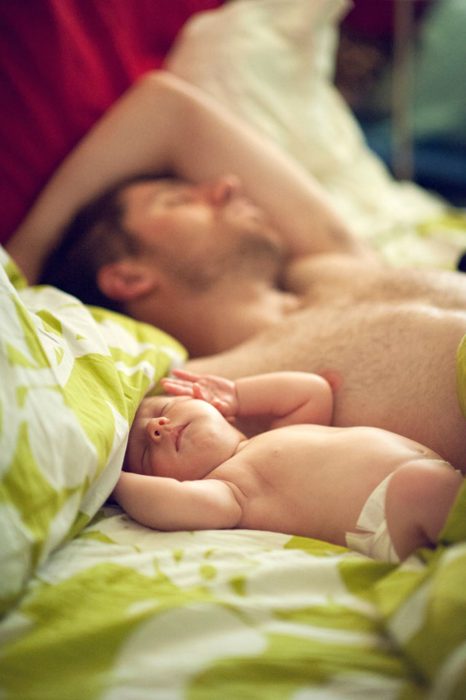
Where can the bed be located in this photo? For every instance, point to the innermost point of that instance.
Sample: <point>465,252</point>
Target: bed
<point>96,607</point>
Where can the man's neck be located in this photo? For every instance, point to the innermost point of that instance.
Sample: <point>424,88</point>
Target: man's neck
<point>237,316</point>
<point>235,313</point>
<point>217,320</point>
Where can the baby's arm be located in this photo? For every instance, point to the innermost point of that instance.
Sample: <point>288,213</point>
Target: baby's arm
<point>289,397</point>
<point>167,504</point>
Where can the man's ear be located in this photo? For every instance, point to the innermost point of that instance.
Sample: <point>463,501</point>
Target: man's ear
<point>126,280</point>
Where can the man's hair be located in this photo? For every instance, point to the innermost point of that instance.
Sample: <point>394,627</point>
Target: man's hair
<point>94,237</point>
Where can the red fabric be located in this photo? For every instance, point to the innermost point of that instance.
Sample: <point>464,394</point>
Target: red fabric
<point>62,63</point>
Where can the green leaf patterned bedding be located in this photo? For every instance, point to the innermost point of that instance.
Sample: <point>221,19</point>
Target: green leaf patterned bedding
<point>125,612</point>
<point>94,606</point>
<point>71,380</point>
<point>97,607</point>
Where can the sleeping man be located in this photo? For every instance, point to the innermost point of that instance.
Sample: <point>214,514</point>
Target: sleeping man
<point>252,272</point>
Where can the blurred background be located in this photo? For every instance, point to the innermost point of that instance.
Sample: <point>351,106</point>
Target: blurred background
<point>401,66</point>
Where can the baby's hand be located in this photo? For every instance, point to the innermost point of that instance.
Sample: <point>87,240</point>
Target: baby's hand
<point>218,391</point>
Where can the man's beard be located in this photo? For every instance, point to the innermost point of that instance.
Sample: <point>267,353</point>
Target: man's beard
<point>252,256</point>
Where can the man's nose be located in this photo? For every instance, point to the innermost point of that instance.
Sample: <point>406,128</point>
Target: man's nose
<point>221,190</point>
<point>157,428</point>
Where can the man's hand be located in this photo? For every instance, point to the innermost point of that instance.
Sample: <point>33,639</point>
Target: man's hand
<point>218,391</point>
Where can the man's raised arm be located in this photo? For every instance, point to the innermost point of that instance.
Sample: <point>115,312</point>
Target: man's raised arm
<point>163,124</point>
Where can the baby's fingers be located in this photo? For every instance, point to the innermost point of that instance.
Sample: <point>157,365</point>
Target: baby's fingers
<point>198,392</point>
<point>187,376</point>
<point>221,406</point>
<point>177,387</point>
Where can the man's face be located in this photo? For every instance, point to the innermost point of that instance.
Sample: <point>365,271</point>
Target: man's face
<point>201,232</point>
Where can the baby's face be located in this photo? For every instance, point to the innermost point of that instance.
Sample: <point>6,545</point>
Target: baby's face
<point>180,437</point>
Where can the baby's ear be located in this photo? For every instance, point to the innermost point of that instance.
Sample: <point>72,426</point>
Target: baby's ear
<point>126,280</point>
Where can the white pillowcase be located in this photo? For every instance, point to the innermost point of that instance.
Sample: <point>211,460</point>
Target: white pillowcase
<point>271,62</point>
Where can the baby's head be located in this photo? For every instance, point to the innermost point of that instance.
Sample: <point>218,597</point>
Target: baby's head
<point>180,437</point>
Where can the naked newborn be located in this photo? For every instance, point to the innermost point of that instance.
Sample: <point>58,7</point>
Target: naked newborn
<point>189,466</point>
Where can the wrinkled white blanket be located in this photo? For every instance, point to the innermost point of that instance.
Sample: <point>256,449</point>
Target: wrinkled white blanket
<point>271,62</point>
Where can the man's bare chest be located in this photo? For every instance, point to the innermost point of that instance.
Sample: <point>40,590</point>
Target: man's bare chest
<point>344,286</point>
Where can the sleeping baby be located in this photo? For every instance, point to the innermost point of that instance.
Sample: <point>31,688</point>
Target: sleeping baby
<point>188,466</point>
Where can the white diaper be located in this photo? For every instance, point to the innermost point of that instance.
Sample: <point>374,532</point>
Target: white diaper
<point>373,537</point>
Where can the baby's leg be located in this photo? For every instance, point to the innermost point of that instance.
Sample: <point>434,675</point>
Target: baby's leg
<point>419,497</point>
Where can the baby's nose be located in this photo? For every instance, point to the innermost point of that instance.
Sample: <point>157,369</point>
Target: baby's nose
<point>157,428</point>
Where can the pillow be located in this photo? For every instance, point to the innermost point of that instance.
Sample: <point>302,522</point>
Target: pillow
<point>72,379</point>
<point>271,62</point>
